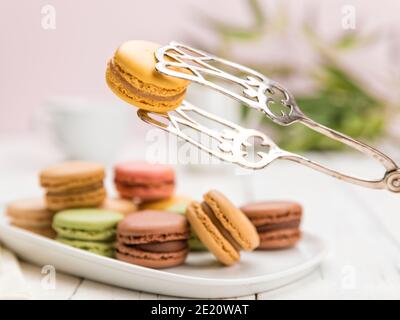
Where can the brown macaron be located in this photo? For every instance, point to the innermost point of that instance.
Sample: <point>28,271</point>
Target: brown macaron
<point>222,227</point>
<point>277,222</point>
<point>154,239</point>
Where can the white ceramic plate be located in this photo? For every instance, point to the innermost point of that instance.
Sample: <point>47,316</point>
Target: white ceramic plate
<point>200,277</point>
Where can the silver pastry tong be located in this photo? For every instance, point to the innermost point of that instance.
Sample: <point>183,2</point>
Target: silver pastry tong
<point>233,142</point>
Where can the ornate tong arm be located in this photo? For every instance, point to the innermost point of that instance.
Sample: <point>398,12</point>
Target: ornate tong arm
<point>391,179</point>
<point>233,145</point>
<point>259,92</point>
<point>179,60</point>
<point>232,142</point>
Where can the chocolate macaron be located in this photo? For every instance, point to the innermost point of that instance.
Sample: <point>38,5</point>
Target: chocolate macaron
<point>222,227</point>
<point>154,239</point>
<point>277,222</point>
<point>144,181</point>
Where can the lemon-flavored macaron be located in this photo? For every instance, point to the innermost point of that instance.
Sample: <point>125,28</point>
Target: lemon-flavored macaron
<point>132,76</point>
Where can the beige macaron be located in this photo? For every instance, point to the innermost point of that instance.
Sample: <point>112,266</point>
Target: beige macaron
<point>120,205</point>
<point>73,184</point>
<point>31,215</point>
<point>222,227</point>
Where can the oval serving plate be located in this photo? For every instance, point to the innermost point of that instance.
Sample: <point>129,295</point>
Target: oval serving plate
<point>200,277</point>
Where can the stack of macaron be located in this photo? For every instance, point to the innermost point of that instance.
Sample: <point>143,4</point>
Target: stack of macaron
<point>74,184</point>
<point>75,193</point>
<point>152,187</point>
<point>154,236</point>
<point>93,230</point>
<point>31,215</point>
<point>155,239</point>
<point>85,218</point>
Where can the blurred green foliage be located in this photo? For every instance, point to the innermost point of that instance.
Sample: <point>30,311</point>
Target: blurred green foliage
<point>338,101</point>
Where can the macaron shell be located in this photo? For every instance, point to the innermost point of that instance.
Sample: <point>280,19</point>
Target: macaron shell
<point>152,226</point>
<point>233,219</point>
<point>147,193</point>
<point>137,58</point>
<point>167,203</point>
<point>29,209</point>
<point>92,235</point>
<point>279,239</point>
<point>140,172</point>
<point>87,219</point>
<point>272,212</point>
<point>120,205</point>
<point>210,236</point>
<point>106,249</point>
<point>144,181</point>
<point>150,259</point>
<point>72,174</point>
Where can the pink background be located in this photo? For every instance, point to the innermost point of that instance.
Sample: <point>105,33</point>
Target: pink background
<point>36,63</point>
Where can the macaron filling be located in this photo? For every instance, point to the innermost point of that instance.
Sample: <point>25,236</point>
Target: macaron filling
<point>278,226</point>
<point>117,73</point>
<point>134,239</point>
<point>76,190</point>
<point>150,259</point>
<point>162,247</point>
<point>143,185</point>
<point>225,233</point>
<point>82,234</point>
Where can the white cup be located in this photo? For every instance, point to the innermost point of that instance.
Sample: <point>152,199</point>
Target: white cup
<point>86,129</point>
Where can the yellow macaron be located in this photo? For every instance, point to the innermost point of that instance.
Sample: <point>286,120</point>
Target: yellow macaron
<point>222,227</point>
<point>165,204</point>
<point>132,76</point>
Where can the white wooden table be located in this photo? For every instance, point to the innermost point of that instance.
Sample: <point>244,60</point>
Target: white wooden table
<point>361,227</point>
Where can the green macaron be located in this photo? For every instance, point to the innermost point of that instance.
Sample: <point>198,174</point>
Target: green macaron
<point>87,224</point>
<point>194,242</point>
<point>98,247</point>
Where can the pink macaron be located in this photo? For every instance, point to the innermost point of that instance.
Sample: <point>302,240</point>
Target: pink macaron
<point>144,181</point>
